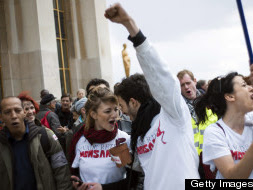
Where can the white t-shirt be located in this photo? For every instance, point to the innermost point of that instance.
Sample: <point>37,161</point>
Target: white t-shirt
<point>218,144</point>
<point>173,157</point>
<point>94,161</point>
<point>145,147</point>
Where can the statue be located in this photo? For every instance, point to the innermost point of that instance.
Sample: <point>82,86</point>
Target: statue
<point>126,60</point>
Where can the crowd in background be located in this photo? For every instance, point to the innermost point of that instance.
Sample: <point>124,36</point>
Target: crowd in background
<point>174,127</point>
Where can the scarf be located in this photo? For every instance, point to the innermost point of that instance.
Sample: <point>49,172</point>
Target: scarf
<point>100,136</point>
<point>140,127</point>
<point>93,136</point>
<point>190,105</point>
<point>142,123</point>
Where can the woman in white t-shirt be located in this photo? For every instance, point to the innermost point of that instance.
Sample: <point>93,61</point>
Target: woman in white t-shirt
<point>92,142</point>
<point>228,143</point>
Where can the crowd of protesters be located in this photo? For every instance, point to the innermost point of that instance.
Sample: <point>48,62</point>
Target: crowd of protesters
<point>173,128</point>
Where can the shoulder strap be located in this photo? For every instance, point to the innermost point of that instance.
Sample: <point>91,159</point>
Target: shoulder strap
<point>44,120</point>
<point>44,141</point>
<point>47,113</point>
<point>221,128</point>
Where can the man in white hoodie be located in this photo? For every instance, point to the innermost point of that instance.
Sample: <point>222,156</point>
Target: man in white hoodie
<point>173,157</point>
<point>166,151</point>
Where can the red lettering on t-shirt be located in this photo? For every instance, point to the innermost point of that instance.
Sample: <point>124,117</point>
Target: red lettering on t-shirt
<point>82,154</point>
<point>237,155</point>
<point>102,154</point>
<point>159,133</point>
<point>145,148</point>
<point>96,153</point>
<point>150,146</point>
<point>140,150</point>
<point>90,155</point>
<point>107,153</point>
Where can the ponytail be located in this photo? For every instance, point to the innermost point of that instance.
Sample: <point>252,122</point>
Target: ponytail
<point>214,98</point>
<point>200,105</point>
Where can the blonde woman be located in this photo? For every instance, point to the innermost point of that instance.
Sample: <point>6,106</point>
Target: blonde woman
<point>92,142</point>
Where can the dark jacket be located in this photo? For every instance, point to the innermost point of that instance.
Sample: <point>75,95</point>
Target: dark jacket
<point>50,173</point>
<point>54,123</point>
<point>52,118</point>
<point>65,118</point>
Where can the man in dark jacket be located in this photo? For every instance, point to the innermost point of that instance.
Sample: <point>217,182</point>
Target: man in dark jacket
<point>25,163</point>
<point>64,113</point>
<point>47,106</point>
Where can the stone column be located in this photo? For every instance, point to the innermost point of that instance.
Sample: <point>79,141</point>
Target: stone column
<point>28,47</point>
<point>88,42</point>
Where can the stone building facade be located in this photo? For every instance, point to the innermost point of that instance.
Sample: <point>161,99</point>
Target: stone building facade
<point>57,45</point>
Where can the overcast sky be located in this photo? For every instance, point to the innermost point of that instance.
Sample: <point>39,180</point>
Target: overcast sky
<point>204,36</point>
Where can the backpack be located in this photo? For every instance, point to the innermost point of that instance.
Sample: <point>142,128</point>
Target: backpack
<point>44,121</point>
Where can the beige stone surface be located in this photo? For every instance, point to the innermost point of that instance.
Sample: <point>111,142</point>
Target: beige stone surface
<point>30,43</point>
<point>90,47</point>
<point>28,49</point>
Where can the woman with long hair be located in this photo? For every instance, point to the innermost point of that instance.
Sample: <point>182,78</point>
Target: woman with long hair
<point>228,142</point>
<point>92,142</point>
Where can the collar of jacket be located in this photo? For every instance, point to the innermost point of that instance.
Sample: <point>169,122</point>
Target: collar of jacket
<point>33,131</point>
<point>44,109</point>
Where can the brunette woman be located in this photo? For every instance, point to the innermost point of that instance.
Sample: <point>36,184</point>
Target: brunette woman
<point>228,142</point>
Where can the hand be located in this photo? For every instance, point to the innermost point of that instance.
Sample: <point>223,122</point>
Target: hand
<point>79,185</point>
<point>94,186</point>
<point>62,129</point>
<point>117,14</point>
